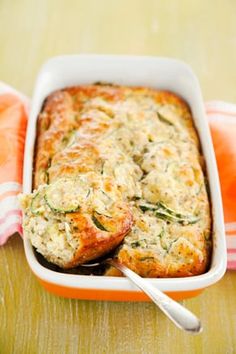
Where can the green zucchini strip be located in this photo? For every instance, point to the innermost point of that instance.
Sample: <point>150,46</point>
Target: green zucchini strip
<point>163,212</point>
<point>98,224</point>
<point>164,119</point>
<point>61,196</point>
<point>35,206</point>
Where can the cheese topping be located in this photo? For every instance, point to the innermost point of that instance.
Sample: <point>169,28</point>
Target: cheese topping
<point>134,145</point>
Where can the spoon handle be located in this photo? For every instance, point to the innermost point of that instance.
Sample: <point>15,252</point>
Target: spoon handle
<point>182,317</point>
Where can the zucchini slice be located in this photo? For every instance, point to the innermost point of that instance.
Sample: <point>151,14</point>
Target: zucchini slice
<point>36,206</point>
<point>98,224</point>
<point>163,212</point>
<point>178,217</point>
<point>147,206</point>
<point>64,196</point>
<point>163,119</point>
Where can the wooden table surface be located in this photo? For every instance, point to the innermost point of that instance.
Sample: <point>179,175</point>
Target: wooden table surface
<point>203,33</point>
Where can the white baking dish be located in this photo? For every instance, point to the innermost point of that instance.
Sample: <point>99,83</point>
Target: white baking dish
<point>161,73</point>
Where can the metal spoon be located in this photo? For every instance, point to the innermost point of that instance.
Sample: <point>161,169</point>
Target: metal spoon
<point>181,317</point>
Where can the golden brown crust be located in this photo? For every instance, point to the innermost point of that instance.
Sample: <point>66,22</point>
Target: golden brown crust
<point>147,266</point>
<point>54,122</point>
<point>120,132</point>
<point>93,242</point>
<point>82,157</point>
<point>62,114</point>
<point>98,224</point>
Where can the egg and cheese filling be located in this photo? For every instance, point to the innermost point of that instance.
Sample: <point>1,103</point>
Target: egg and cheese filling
<point>142,140</point>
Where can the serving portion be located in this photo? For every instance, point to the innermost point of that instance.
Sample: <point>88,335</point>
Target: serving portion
<point>119,168</point>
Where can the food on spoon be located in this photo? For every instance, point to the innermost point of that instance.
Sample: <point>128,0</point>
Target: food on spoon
<point>73,220</point>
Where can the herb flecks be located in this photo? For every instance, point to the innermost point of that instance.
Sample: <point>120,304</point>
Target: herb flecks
<point>135,244</point>
<point>138,243</point>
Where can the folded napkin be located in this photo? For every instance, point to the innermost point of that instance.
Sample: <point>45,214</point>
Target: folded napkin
<point>13,121</point>
<point>222,120</point>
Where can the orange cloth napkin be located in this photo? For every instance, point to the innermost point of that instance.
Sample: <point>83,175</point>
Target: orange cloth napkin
<point>13,121</point>
<point>222,120</point>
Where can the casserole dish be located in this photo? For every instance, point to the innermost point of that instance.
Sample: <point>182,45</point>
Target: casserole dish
<point>160,73</point>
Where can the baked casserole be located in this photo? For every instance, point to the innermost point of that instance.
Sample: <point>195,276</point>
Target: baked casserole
<point>119,169</point>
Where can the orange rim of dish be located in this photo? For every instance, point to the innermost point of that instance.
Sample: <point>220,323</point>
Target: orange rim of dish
<point>110,295</point>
